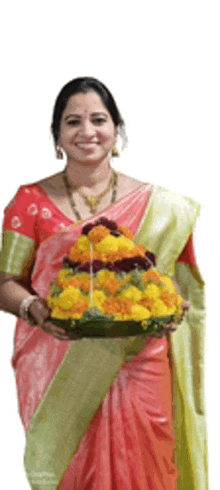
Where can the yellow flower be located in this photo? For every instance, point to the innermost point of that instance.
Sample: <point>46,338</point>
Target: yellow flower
<point>68,298</point>
<point>125,243</point>
<point>132,293</point>
<point>139,313</point>
<point>152,292</point>
<point>159,308</point>
<point>60,314</point>
<point>179,300</point>
<point>104,275</point>
<point>62,276</point>
<point>109,244</point>
<point>171,310</point>
<point>83,244</point>
<point>99,298</point>
<point>168,283</point>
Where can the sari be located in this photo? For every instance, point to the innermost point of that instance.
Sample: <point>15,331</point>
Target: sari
<point>99,413</point>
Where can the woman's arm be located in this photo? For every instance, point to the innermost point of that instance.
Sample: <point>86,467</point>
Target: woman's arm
<point>11,296</point>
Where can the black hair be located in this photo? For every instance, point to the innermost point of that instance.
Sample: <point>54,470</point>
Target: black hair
<point>83,85</point>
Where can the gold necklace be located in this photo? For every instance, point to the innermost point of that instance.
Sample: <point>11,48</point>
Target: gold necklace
<point>91,201</point>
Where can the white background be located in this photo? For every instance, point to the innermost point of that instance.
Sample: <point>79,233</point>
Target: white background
<point>161,62</point>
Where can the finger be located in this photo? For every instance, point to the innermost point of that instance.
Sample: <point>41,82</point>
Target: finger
<point>58,336</point>
<point>186,306</point>
<point>58,332</point>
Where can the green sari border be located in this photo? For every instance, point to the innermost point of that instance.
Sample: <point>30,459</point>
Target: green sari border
<point>17,254</point>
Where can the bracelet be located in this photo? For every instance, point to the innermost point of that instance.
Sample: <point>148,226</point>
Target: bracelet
<point>24,307</point>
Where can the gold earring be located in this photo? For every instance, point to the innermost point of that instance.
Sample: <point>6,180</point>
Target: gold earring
<point>59,152</point>
<point>115,152</point>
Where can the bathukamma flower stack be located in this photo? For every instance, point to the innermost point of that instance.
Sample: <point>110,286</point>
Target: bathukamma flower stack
<point>109,286</point>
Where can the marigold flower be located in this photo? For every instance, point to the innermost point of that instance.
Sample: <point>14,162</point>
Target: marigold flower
<point>152,276</point>
<point>111,285</point>
<point>96,235</point>
<point>167,281</point>
<point>80,307</point>
<point>113,306</point>
<point>139,313</point>
<point>83,244</point>
<point>125,244</point>
<point>104,275</point>
<point>68,298</point>
<point>148,303</point>
<point>152,291</point>
<point>108,244</point>
<point>132,293</point>
<point>75,254</point>
<point>128,233</point>
<point>159,308</point>
<point>85,257</point>
<point>168,299</point>
<point>179,300</point>
<point>99,299</point>
<point>60,314</point>
<point>140,249</point>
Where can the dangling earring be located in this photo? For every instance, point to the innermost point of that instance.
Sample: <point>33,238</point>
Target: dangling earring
<point>59,152</point>
<point>115,152</point>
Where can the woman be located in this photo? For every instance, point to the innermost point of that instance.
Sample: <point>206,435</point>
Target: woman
<point>99,413</point>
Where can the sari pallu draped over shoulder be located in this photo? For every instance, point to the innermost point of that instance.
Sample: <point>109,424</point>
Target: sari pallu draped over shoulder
<point>75,377</point>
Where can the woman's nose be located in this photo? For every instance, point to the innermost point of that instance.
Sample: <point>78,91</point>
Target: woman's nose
<point>87,128</point>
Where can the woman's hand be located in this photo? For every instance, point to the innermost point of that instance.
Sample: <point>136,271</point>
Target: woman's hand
<point>40,314</point>
<point>58,332</point>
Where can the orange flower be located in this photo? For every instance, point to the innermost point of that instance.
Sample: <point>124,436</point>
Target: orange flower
<point>97,234</point>
<point>168,299</point>
<point>75,254</point>
<point>152,276</point>
<point>74,281</point>
<point>85,257</point>
<point>140,250</point>
<point>126,232</point>
<point>80,307</point>
<point>114,306</point>
<point>111,285</point>
<point>147,303</point>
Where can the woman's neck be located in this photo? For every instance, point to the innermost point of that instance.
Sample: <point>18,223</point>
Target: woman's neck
<point>88,176</point>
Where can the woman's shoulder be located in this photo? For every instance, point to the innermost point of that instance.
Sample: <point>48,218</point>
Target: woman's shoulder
<point>53,182</point>
<point>171,197</point>
<point>127,183</point>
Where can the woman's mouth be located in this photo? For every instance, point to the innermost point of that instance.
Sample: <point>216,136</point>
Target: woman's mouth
<point>85,145</point>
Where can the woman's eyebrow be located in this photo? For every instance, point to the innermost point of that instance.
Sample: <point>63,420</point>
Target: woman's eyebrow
<point>92,114</point>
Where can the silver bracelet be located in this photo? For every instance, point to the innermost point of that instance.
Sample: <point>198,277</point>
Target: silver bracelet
<point>24,307</point>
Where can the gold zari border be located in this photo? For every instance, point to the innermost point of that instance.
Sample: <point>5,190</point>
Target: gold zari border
<point>17,254</point>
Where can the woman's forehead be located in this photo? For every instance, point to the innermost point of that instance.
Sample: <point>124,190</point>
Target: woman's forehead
<point>85,103</point>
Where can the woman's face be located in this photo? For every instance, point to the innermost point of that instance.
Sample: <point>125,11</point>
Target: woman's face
<point>87,131</point>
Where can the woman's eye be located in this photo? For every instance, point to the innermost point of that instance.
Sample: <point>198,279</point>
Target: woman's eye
<point>73,123</point>
<point>99,120</point>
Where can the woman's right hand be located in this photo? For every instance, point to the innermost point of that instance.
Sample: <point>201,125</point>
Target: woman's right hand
<point>41,316</point>
<point>58,332</point>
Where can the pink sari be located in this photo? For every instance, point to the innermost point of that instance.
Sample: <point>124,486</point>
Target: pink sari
<point>130,443</point>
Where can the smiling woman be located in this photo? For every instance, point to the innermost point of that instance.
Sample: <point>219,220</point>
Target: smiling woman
<point>118,413</point>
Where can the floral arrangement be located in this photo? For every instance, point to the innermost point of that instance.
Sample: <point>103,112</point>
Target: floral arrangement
<point>108,277</point>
